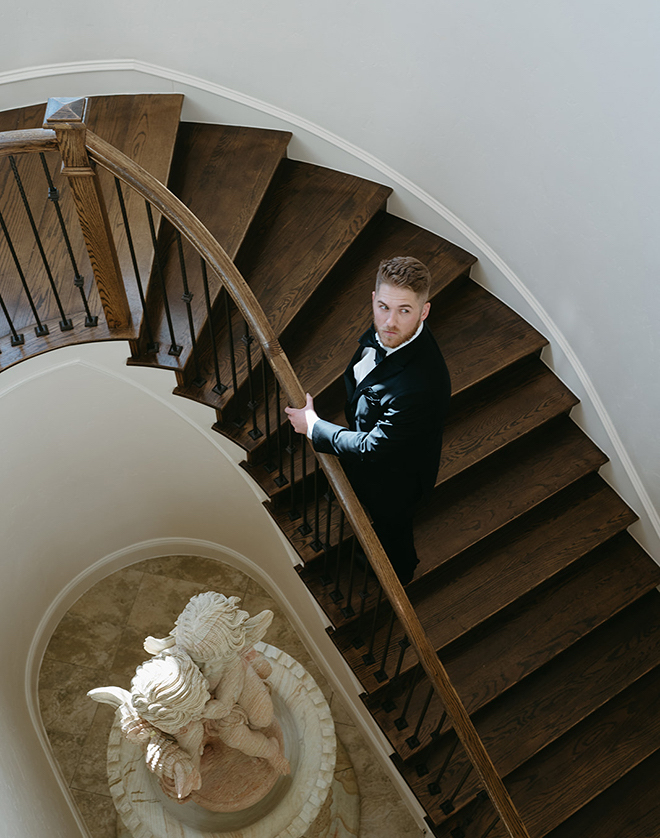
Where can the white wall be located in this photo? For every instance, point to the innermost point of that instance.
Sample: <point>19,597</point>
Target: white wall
<point>530,127</point>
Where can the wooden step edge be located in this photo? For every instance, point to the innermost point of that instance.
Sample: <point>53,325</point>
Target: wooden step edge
<point>523,355</point>
<point>514,429</point>
<point>630,808</point>
<point>399,737</point>
<point>426,764</point>
<point>628,726</point>
<point>587,569</point>
<point>80,334</point>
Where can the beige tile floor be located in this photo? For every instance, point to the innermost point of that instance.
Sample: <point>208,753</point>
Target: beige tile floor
<point>99,643</point>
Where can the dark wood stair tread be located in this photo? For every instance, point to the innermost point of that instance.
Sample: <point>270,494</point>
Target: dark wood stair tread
<point>486,580</point>
<point>313,215</point>
<point>469,508</point>
<point>489,661</point>
<point>582,764</point>
<point>479,336</point>
<point>546,705</point>
<point>628,809</point>
<point>499,416</point>
<point>542,625</point>
<point>307,220</point>
<point>221,173</point>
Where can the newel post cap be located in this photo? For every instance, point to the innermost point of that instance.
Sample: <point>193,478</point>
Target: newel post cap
<point>63,109</point>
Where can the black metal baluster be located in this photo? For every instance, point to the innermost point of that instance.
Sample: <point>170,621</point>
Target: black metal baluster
<point>329,496</point>
<point>348,611</point>
<point>364,593</point>
<point>325,574</point>
<point>291,451</point>
<point>238,420</point>
<point>448,806</point>
<point>304,528</point>
<point>152,345</point>
<point>435,734</point>
<point>268,464</point>
<point>381,674</point>
<point>247,339</point>
<point>389,704</point>
<point>402,722</point>
<point>187,298</point>
<point>413,741</point>
<point>40,329</point>
<point>175,348</point>
<point>368,658</point>
<point>491,827</point>
<point>435,787</point>
<point>78,280</point>
<point>316,544</point>
<point>16,339</point>
<point>281,479</point>
<point>336,593</point>
<point>219,388</point>
<point>404,643</point>
<point>66,325</point>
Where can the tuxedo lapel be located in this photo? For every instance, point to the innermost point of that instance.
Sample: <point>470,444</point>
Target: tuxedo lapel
<point>390,365</point>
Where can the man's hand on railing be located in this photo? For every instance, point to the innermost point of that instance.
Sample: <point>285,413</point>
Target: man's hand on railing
<point>303,418</point>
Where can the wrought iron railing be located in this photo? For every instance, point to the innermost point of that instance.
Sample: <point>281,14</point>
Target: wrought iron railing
<point>242,372</point>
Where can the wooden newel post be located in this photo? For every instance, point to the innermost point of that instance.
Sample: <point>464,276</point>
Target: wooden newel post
<point>66,117</point>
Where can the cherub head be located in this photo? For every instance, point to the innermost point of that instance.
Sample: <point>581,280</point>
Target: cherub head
<point>169,691</point>
<point>212,627</point>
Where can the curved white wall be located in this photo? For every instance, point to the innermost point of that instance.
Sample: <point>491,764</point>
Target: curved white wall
<point>533,123</point>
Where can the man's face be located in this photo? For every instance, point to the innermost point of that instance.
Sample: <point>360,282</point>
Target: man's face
<point>397,314</point>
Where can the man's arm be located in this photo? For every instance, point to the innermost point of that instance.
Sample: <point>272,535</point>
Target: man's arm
<point>399,432</point>
<point>402,428</point>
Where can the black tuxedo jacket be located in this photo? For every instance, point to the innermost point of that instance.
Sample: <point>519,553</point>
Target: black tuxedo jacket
<point>395,421</point>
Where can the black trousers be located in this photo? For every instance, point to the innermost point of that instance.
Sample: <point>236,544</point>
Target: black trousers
<point>391,499</point>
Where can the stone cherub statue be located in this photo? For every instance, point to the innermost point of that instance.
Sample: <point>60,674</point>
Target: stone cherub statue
<point>205,683</point>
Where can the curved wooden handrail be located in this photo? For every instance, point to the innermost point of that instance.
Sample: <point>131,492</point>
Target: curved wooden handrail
<point>170,207</point>
<point>29,141</point>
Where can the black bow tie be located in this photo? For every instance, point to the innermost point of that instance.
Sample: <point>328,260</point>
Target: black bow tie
<point>371,341</point>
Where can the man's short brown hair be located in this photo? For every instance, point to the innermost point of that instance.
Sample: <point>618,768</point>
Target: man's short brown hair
<point>405,272</point>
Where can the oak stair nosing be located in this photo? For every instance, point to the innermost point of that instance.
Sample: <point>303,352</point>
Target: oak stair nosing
<point>548,704</point>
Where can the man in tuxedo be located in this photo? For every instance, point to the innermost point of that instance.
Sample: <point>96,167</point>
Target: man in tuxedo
<point>398,392</point>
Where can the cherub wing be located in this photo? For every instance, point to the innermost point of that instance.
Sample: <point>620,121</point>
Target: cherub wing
<point>256,627</point>
<point>114,696</point>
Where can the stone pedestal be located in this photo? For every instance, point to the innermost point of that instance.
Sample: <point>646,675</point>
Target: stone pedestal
<point>288,809</point>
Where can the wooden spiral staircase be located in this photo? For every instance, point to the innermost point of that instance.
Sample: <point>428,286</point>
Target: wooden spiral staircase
<point>540,605</point>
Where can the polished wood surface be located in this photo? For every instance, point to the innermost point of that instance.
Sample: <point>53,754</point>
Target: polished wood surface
<point>94,222</point>
<point>144,126</point>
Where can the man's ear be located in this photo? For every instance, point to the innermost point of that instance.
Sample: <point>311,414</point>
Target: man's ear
<point>425,310</point>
